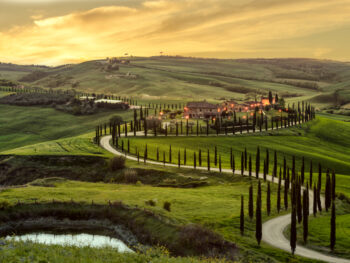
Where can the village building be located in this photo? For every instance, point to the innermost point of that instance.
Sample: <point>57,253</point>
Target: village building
<point>201,109</point>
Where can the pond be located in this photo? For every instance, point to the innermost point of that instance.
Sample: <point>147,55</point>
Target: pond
<point>79,240</point>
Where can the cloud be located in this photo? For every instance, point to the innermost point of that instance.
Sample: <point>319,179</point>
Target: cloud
<point>177,27</point>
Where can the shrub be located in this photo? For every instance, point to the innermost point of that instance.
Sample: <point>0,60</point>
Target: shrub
<point>130,176</point>
<point>117,163</point>
<point>167,205</point>
<point>150,202</point>
<point>4,205</point>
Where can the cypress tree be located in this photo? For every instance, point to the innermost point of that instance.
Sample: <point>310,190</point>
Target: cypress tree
<point>274,174</point>
<point>170,155</point>
<point>250,165</point>
<point>200,157</point>
<point>265,165</point>
<point>333,227</point>
<point>185,156</point>
<point>299,202</point>
<point>279,191</point>
<point>220,163</point>
<point>314,206</point>
<point>293,230</point>
<point>293,168</point>
<point>242,216</point>
<point>257,163</point>
<point>268,199</point>
<point>306,215</point>
<point>285,196</point>
<point>267,161</point>
<point>194,160</point>
<point>245,159</point>
<point>310,174</point>
<point>302,170</point>
<point>251,202</point>
<point>242,164</point>
<point>328,194</point>
<point>258,223</point>
<point>208,160</point>
<point>231,157</point>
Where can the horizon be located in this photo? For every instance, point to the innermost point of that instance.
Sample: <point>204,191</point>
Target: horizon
<point>56,32</point>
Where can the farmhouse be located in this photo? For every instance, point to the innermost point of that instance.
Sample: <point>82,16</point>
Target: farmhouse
<point>201,109</point>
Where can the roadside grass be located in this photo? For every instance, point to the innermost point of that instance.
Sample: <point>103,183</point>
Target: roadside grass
<point>22,125</point>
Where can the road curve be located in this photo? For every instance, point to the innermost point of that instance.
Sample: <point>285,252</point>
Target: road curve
<point>272,232</point>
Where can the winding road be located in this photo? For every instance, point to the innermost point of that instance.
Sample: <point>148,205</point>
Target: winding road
<point>272,232</point>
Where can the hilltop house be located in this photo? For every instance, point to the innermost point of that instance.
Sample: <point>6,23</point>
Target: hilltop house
<point>201,109</point>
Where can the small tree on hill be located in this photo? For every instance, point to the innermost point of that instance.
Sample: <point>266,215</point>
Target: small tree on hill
<point>258,223</point>
<point>251,202</point>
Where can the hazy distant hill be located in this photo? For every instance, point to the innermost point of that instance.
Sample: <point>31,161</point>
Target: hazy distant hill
<point>173,78</point>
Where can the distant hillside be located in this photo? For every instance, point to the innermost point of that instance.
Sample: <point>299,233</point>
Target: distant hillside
<point>182,78</point>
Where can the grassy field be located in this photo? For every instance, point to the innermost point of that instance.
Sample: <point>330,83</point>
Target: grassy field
<point>29,125</point>
<point>216,206</point>
<point>182,79</point>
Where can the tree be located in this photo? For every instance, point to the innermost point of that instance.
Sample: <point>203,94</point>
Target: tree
<point>179,159</point>
<point>270,97</point>
<point>267,161</point>
<point>311,174</point>
<point>194,160</point>
<point>328,193</point>
<point>185,156</point>
<point>333,227</point>
<point>200,157</point>
<point>314,206</point>
<point>242,216</point>
<point>293,230</point>
<point>302,170</point>
<point>251,202</point>
<point>306,215</point>
<point>274,173</point>
<point>268,199</point>
<point>220,163</point>
<point>170,155</point>
<point>299,201</point>
<point>250,165</point>
<point>265,165</point>
<point>258,223</point>
<point>233,164</point>
<point>215,156</point>
<point>257,163</point>
<point>279,191</point>
<point>245,158</point>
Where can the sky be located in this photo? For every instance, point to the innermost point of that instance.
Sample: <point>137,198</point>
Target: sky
<point>54,32</point>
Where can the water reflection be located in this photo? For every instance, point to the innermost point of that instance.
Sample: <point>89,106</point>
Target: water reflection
<point>80,240</point>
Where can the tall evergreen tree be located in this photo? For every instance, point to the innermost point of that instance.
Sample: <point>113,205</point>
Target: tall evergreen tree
<point>279,191</point>
<point>194,160</point>
<point>178,159</point>
<point>314,206</point>
<point>333,227</point>
<point>185,156</point>
<point>231,155</point>
<point>302,170</point>
<point>251,202</point>
<point>200,157</point>
<point>311,174</point>
<point>305,215</point>
<point>299,201</point>
<point>328,193</point>
<point>274,173</point>
<point>245,159</point>
<point>258,223</point>
<point>242,216</point>
<point>170,154</point>
<point>267,161</point>
<point>233,164</point>
<point>265,165</point>
<point>257,163</point>
<point>220,163</point>
<point>250,165</point>
<point>215,156</point>
<point>293,230</point>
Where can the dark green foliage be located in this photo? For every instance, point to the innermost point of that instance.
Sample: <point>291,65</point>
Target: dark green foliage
<point>311,174</point>
<point>208,160</point>
<point>194,160</point>
<point>245,159</point>
<point>258,223</point>
<point>293,230</point>
<point>220,163</point>
<point>170,154</point>
<point>333,227</point>
<point>167,206</point>
<point>251,202</point>
<point>242,216</point>
<point>267,161</point>
<point>200,157</point>
<point>265,167</point>
<point>215,156</point>
<point>117,163</point>
<point>314,206</point>
<point>274,174</point>
<point>279,191</point>
<point>299,202</point>
<point>302,170</point>
<point>257,163</point>
<point>305,215</point>
<point>250,165</point>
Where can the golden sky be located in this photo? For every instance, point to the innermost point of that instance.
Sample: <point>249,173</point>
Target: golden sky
<point>64,31</point>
